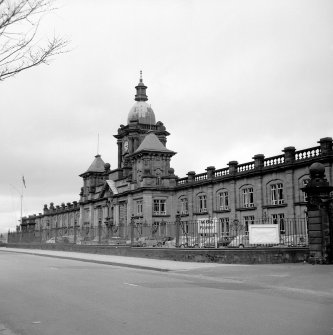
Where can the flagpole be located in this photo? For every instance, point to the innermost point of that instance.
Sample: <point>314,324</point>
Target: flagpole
<point>21,200</point>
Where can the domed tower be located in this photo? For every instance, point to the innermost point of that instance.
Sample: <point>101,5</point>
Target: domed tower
<point>141,120</point>
<point>141,111</point>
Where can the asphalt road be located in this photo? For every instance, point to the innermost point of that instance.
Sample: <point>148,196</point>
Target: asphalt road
<point>49,296</point>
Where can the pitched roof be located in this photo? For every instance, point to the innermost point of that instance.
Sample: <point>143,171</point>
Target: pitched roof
<point>97,165</point>
<point>152,143</point>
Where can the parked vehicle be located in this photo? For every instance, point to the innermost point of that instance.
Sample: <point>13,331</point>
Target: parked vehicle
<point>147,242</point>
<point>185,241</point>
<point>297,240</point>
<point>67,239</point>
<point>240,241</point>
<point>52,240</point>
<point>221,242</point>
<point>116,240</point>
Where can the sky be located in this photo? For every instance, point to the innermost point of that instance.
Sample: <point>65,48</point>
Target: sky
<point>228,78</point>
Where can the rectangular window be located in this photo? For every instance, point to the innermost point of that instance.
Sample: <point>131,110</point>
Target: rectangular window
<point>159,207</point>
<point>223,201</point>
<point>184,227</point>
<point>202,203</point>
<point>139,207</point>
<point>225,227</point>
<point>305,196</point>
<point>247,197</point>
<point>183,206</point>
<point>247,221</point>
<point>277,194</point>
<point>100,213</point>
<point>279,219</point>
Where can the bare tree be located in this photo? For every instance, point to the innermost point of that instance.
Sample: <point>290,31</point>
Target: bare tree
<point>20,48</point>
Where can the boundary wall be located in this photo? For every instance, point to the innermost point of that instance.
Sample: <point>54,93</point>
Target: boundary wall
<point>224,256</point>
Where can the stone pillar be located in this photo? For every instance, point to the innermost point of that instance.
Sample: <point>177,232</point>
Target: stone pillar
<point>132,229</point>
<point>233,167</point>
<point>258,161</point>
<point>191,176</point>
<point>326,146</point>
<point>177,229</point>
<point>210,172</point>
<point>289,155</point>
<point>319,222</point>
<point>119,153</point>
<point>136,142</point>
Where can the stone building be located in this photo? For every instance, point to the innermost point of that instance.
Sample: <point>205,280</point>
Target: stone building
<point>145,187</point>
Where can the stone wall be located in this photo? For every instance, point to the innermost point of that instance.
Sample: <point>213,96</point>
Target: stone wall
<point>225,256</point>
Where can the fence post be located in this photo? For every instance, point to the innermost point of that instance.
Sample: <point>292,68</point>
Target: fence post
<point>56,232</point>
<point>320,223</point>
<point>99,232</point>
<point>132,229</point>
<point>75,236</point>
<point>177,228</point>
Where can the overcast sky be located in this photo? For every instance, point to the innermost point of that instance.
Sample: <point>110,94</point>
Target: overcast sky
<point>229,79</point>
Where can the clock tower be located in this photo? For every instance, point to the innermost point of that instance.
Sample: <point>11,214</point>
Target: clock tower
<point>140,121</point>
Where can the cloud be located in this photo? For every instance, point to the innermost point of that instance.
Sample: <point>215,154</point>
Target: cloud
<point>229,79</point>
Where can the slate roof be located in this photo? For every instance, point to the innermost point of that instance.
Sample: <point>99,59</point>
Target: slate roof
<point>97,165</point>
<point>152,143</point>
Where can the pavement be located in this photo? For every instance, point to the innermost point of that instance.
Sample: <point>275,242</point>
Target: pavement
<point>134,262</point>
<point>300,278</point>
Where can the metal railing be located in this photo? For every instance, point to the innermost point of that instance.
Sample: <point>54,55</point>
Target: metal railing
<point>203,233</point>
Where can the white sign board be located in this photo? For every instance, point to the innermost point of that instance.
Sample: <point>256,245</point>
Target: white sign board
<point>264,234</point>
<point>207,226</point>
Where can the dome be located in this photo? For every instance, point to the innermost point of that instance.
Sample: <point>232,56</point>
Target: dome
<point>141,112</point>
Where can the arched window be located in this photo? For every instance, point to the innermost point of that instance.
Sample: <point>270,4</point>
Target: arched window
<point>202,203</point>
<point>276,193</point>
<point>222,200</point>
<point>247,197</point>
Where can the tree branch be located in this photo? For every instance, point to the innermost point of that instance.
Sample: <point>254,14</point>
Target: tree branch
<point>17,51</point>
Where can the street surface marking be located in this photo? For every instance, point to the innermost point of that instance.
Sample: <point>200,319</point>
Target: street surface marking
<point>129,284</point>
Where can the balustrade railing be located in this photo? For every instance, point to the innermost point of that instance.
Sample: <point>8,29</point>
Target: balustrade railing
<point>221,172</point>
<point>245,167</point>
<point>201,176</point>
<point>275,160</point>
<point>268,162</point>
<point>307,153</point>
<point>148,126</point>
<point>182,181</point>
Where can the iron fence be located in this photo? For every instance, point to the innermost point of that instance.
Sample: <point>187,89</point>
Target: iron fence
<point>202,233</point>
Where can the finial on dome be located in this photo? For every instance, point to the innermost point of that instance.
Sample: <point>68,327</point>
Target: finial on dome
<point>141,90</point>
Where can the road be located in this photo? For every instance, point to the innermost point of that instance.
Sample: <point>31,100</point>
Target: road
<point>50,296</point>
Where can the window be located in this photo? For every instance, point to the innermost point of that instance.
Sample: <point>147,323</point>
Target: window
<point>159,207</point>
<point>86,215</point>
<point>304,183</point>
<point>202,203</point>
<point>222,201</point>
<point>100,213</point>
<point>139,206</point>
<point>183,206</point>
<point>185,227</point>
<point>247,197</point>
<point>279,219</point>
<point>247,221</point>
<point>225,227</point>
<point>277,194</point>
